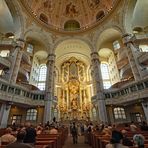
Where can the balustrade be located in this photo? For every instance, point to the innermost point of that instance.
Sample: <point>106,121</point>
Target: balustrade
<point>16,92</point>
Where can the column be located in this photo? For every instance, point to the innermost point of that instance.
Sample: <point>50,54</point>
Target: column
<point>145,109</point>
<point>16,60</point>
<point>132,57</point>
<point>4,114</point>
<point>98,86</point>
<point>49,94</point>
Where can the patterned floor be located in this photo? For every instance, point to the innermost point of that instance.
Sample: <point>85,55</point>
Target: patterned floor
<point>80,144</point>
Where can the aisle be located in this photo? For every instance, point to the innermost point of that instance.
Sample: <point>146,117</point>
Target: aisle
<point>69,144</point>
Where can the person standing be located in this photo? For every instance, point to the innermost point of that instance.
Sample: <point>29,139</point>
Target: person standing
<point>30,134</point>
<point>74,132</point>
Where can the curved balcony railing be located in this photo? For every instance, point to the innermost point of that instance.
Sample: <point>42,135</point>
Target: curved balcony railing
<point>130,92</point>
<point>5,61</point>
<point>143,58</point>
<point>19,94</point>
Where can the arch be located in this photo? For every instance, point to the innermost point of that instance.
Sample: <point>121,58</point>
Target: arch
<point>72,46</point>
<point>9,35</point>
<point>140,14</point>
<point>129,9</point>
<point>44,18</point>
<point>71,25</point>
<point>82,40</point>
<point>100,15</point>
<point>18,18</point>
<point>38,38</point>
<point>108,35</point>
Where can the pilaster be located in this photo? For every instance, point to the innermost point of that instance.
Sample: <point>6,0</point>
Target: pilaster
<point>49,88</point>
<point>4,114</point>
<point>131,54</point>
<point>98,82</point>
<point>145,109</point>
<point>16,61</point>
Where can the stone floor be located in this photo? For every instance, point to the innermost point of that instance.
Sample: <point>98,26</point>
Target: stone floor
<point>80,144</point>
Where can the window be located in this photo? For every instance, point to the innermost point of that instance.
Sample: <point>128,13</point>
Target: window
<point>44,18</point>
<point>16,119</point>
<point>105,75</point>
<point>143,48</point>
<point>42,77</point>
<point>31,115</point>
<point>116,45</point>
<point>100,15</point>
<point>71,25</point>
<point>4,53</point>
<point>30,48</point>
<point>2,72</point>
<point>119,113</point>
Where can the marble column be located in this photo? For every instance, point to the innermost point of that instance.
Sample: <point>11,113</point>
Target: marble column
<point>16,60</point>
<point>98,82</point>
<point>132,57</point>
<point>145,109</point>
<point>4,114</point>
<point>49,94</point>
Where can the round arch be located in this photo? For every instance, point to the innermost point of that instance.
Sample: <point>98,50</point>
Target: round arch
<point>129,7</point>
<point>18,18</point>
<point>78,39</point>
<point>40,39</point>
<point>108,36</point>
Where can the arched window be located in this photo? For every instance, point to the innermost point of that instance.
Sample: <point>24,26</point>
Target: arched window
<point>30,48</point>
<point>105,75</point>
<point>119,113</point>
<point>31,115</point>
<point>71,25</point>
<point>100,15</point>
<point>44,18</point>
<point>42,77</point>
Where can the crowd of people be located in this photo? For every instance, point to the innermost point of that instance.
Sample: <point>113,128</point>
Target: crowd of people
<point>118,136</point>
<point>24,136</point>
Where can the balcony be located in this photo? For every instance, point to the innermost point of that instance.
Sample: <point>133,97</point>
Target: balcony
<point>141,38</point>
<point>7,43</point>
<point>4,61</point>
<point>17,94</point>
<point>131,92</point>
<point>26,58</point>
<point>121,63</point>
<point>143,58</point>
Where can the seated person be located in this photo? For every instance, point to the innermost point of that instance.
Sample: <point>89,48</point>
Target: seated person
<point>139,140</point>
<point>133,127</point>
<point>39,130</point>
<point>19,142</point>
<point>106,132</point>
<point>126,141</point>
<point>46,131</point>
<point>7,137</point>
<point>116,140</point>
<point>53,130</point>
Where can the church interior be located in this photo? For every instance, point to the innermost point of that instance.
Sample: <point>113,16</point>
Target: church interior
<point>73,60</point>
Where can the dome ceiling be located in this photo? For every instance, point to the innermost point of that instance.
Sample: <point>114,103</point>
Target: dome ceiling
<point>70,15</point>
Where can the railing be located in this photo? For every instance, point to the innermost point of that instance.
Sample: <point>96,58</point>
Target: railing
<point>7,41</point>
<point>5,61</point>
<point>143,57</point>
<point>18,94</point>
<point>130,92</point>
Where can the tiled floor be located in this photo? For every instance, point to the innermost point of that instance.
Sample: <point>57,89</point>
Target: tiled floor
<point>80,144</point>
